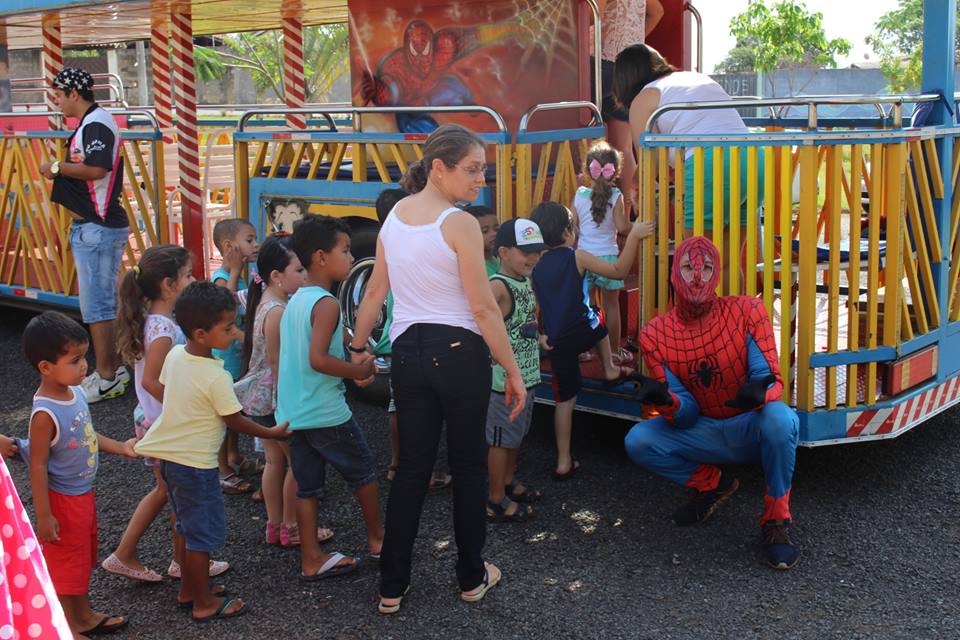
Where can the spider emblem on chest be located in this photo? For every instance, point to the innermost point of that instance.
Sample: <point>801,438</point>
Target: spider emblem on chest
<point>705,371</point>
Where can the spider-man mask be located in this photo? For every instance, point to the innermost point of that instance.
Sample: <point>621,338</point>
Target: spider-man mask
<point>418,47</point>
<point>695,275</point>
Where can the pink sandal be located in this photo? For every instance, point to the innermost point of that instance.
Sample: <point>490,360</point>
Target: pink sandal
<point>290,536</point>
<point>113,565</point>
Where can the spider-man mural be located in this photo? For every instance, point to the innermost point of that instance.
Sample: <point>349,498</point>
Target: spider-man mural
<point>421,73</point>
<point>716,385</point>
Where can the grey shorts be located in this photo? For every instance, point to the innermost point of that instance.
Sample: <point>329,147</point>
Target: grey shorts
<point>500,431</point>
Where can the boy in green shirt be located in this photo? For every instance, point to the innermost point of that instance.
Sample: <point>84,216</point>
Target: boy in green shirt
<point>518,244</point>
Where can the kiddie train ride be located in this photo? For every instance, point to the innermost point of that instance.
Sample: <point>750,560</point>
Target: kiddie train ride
<point>859,276</point>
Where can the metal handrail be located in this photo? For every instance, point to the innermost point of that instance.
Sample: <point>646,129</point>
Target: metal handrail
<point>699,20</point>
<point>118,112</point>
<point>501,125</point>
<point>597,52</point>
<point>557,106</point>
<point>811,102</point>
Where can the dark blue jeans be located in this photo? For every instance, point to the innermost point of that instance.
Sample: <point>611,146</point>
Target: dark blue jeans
<point>440,374</point>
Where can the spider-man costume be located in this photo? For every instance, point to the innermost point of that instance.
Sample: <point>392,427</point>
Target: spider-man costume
<point>420,73</point>
<point>717,387</point>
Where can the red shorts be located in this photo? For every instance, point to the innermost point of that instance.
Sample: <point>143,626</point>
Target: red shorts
<point>72,559</point>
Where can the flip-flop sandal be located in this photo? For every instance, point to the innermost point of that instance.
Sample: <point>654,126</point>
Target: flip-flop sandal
<point>257,496</point>
<point>222,593</point>
<point>234,485</point>
<point>488,583</point>
<point>522,514</point>
<point>440,481</point>
<point>103,629</point>
<point>391,472</point>
<point>622,357</point>
<point>528,495</point>
<point>246,466</point>
<point>332,569</point>
<point>574,469</point>
<point>113,565</point>
<point>624,373</point>
<point>220,615</point>
<point>388,609</point>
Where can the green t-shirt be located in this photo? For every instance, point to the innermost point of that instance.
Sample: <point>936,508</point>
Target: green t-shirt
<point>493,266</point>
<point>521,326</point>
<point>385,347</point>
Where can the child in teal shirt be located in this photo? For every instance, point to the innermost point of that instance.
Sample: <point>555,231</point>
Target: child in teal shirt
<point>311,395</point>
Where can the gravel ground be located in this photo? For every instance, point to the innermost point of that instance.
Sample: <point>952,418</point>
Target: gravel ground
<point>601,559</point>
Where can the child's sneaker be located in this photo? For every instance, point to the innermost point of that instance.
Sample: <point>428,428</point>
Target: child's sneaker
<point>272,535</point>
<point>95,388</point>
<point>216,568</point>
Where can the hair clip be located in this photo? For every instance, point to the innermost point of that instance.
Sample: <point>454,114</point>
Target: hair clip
<point>136,270</point>
<point>257,279</point>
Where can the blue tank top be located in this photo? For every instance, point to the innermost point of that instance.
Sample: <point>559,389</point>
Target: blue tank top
<point>74,456</point>
<point>232,356</point>
<point>562,295</point>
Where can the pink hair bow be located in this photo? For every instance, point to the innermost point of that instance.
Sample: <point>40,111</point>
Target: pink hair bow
<point>606,170</point>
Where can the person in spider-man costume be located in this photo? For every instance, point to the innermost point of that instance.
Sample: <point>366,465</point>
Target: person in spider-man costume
<point>716,385</point>
<point>420,73</point>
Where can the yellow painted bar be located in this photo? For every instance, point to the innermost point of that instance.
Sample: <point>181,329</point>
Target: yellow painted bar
<point>807,292</point>
<point>926,201</point>
<point>340,149</point>
<point>524,189</point>
<point>359,159</point>
<point>698,187</point>
<point>543,166</point>
<point>736,222</point>
<point>663,229</point>
<point>785,211</point>
<point>833,173</point>
<point>929,291</point>
<point>910,272</point>
<point>378,162</point>
<point>873,266</point>
<point>753,213</point>
<point>298,150</point>
<point>718,209</point>
<point>894,170</point>
<point>679,185</point>
<point>398,157</point>
<point>853,274</point>
<point>769,224</point>
<point>933,167</point>
<point>316,161</point>
<point>648,269</point>
<point>505,184</point>
<point>275,158</point>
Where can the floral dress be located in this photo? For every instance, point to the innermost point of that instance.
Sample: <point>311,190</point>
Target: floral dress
<point>256,390</point>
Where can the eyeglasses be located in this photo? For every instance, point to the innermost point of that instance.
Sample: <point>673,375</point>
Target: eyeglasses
<point>474,171</point>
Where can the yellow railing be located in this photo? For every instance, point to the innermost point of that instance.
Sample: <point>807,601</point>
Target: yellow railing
<point>35,232</point>
<point>847,266</point>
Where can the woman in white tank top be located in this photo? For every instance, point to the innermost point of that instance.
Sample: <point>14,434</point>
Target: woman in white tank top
<point>430,254</point>
<point>643,82</point>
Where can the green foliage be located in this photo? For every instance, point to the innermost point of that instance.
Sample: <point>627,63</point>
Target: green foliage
<point>741,59</point>
<point>897,39</point>
<point>786,35</point>
<point>325,53</point>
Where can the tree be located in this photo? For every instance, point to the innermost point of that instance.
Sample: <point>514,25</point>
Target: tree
<point>787,36</point>
<point>897,39</point>
<point>741,59</point>
<point>325,55</point>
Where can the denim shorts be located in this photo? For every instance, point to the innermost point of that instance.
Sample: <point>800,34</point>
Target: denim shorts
<point>344,446</point>
<point>97,251</point>
<point>197,501</point>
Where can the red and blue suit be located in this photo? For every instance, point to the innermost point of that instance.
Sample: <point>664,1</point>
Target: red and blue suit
<point>717,358</point>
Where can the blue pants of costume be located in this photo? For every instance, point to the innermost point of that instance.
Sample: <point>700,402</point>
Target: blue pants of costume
<point>687,456</point>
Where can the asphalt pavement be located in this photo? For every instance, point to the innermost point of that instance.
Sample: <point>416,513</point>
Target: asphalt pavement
<point>877,523</point>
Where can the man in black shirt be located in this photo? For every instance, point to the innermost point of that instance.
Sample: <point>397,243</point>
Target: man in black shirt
<point>88,185</point>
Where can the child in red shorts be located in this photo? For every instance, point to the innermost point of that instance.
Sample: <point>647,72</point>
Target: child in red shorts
<point>63,455</point>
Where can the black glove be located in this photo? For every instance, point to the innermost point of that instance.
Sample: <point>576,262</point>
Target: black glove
<point>650,390</point>
<point>752,394</point>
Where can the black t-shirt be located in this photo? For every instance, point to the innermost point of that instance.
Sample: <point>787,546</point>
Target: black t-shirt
<point>95,143</point>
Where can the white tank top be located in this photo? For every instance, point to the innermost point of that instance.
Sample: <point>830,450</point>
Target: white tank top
<point>600,240</point>
<point>688,86</point>
<point>424,276</point>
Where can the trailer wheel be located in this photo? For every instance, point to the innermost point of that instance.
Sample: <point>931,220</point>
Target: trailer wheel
<point>350,294</point>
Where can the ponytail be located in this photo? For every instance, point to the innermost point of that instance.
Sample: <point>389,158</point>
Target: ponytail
<point>254,295</point>
<point>595,162</point>
<point>415,178</point>
<point>140,286</point>
<point>274,255</point>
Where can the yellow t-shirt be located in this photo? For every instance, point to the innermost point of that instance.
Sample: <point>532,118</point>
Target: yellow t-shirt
<point>190,429</point>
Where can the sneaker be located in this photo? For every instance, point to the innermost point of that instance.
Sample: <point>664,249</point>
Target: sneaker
<point>704,503</point>
<point>97,389</point>
<point>778,550</point>
<point>216,568</point>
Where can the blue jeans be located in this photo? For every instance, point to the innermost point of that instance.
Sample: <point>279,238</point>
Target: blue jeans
<point>197,501</point>
<point>97,251</point>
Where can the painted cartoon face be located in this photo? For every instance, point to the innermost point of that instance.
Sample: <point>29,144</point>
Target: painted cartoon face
<point>284,215</point>
<point>696,271</point>
<point>418,47</point>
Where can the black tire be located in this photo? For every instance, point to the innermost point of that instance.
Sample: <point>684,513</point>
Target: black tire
<point>349,296</point>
